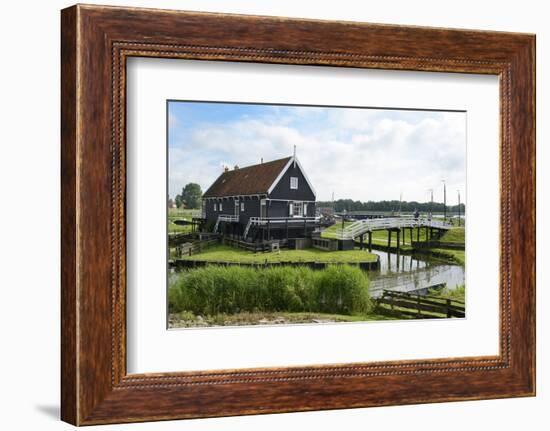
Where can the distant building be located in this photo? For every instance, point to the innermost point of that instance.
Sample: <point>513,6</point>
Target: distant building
<point>271,200</point>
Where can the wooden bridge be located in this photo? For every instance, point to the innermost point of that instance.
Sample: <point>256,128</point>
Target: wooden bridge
<point>360,228</point>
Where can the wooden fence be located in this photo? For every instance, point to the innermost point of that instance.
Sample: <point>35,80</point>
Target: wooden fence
<point>251,246</point>
<point>419,306</point>
<point>178,238</point>
<point>191,248</point>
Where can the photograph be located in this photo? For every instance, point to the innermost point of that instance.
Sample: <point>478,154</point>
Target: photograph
<point>276,216</point>
<point>297,214</point>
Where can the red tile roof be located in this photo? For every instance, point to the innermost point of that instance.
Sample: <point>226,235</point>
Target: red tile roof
<point>250,180</point>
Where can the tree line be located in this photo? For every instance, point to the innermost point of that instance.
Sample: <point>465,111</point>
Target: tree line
<point>394,205</point>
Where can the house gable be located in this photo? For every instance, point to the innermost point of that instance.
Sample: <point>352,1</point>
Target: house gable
<point>281,187</point>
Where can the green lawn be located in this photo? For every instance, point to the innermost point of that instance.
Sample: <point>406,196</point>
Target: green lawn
<point>223,253</point>
<point>458,256</point>
<point>458,293</point>
<point>457,235</point>
<point>180,214</point>
<point>176,228</point>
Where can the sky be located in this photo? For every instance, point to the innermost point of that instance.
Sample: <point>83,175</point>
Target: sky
<point>356,153</point>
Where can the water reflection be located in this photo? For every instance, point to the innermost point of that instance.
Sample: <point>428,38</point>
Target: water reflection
<point>407,273</point>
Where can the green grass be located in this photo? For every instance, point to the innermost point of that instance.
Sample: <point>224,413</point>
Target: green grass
<point>175,228</point>
<point>224,253</point>
<point>458,293</point>
<point>180,214</point>
<point>457,256</point>
<point>457,235</point>
<point>214,290</point>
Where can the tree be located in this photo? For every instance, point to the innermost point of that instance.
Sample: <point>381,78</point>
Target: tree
<point>179,201</point>
<point>190,195</point>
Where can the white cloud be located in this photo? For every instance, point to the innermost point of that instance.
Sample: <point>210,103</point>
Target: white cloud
<point>355,153</point>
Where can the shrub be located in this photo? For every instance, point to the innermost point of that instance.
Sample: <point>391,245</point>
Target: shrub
<point>217,289</point>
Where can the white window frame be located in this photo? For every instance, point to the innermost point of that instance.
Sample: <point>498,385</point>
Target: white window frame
<point>293,183</point>
<point>297,205</point>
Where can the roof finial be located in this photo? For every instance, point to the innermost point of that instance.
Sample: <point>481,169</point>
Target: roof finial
<point>294,157</point>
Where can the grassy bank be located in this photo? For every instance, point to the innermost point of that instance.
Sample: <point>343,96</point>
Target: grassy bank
<point>456,256</point>
<point>180,214</point>
<point>458,293</point>
<point>189,320</point>
<point>454,235</point>
<point>216,290</point>
<point>223,253</point>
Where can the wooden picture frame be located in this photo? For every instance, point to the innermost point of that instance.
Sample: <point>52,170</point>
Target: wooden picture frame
<point>95,43</point>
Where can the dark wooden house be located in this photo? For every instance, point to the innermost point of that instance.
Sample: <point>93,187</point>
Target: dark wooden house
<point>269,201</point>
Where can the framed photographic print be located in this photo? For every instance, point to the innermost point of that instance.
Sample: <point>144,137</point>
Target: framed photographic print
<point>265,215</point>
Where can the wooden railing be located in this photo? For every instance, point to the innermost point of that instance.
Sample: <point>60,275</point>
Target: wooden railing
<point>191,248</point>
<point>250,246</point>
<point>369,225</point>
<point>419,306</point>
<point>179,237</point>
<point>227,218</point>
<point>264,221</point>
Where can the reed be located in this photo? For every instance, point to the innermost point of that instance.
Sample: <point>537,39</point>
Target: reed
<point>339,289</point>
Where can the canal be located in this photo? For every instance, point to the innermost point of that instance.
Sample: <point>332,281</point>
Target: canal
<point>407,273</point>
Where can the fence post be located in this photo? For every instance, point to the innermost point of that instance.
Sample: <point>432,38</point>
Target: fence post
<point>448,308</point>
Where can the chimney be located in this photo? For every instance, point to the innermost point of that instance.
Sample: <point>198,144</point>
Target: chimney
<point>294,156</point>
<point>236,167</point>
<point>226,168</point>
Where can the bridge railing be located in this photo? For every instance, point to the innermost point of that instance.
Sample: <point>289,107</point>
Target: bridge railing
<point>360,227</point>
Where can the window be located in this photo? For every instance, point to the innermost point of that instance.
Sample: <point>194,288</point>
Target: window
<point>242,206</point>
<point>298,209</point>
<point>294,183</point>
<point>220,205</point>
<point>215,207</point>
